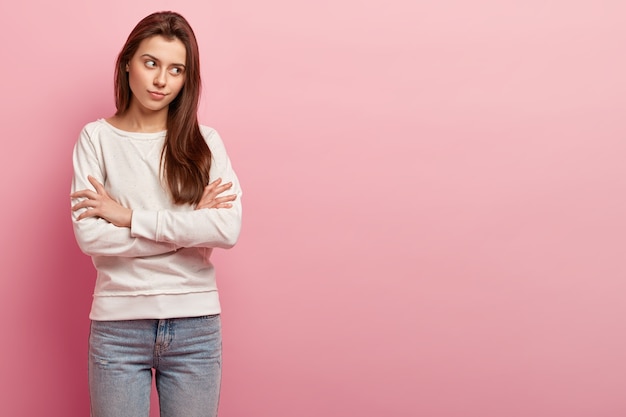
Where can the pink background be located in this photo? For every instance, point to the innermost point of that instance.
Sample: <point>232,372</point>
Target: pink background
<point>434,203</point>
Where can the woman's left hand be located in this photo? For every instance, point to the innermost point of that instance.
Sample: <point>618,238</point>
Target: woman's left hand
<point>210,197</point>
<point>100,204</point>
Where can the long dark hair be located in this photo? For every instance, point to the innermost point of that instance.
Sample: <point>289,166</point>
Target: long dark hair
<point>186,158</point>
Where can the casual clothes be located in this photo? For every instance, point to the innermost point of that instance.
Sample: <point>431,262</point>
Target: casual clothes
<point>160,267</point>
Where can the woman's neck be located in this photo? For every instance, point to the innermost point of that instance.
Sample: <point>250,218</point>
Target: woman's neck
<point>135,120</point>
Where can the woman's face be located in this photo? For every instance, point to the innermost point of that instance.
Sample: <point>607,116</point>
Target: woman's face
<point>156,73</point>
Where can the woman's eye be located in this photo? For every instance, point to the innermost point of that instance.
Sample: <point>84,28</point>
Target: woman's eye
<point>176,70</point>
<point>150,64</point>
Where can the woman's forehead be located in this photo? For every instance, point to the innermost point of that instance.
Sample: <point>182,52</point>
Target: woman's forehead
<point>167,50</point>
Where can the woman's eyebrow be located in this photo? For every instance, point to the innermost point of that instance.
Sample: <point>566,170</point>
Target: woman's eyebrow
<point>150,56</point>
<point>157,59</point>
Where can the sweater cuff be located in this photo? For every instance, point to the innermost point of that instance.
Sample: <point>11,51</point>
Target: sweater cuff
<point>144,224</point>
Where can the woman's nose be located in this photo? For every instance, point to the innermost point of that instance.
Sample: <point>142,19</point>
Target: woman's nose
<point>159,80</point>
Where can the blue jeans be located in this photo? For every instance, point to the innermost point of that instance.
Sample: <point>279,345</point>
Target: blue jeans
<point>186,355</point>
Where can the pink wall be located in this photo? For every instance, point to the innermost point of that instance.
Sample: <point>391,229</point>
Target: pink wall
<point>434,203</point>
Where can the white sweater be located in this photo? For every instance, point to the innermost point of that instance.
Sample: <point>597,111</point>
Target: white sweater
<point>159,267</point>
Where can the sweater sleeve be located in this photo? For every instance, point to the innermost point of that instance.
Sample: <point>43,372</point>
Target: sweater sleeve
<point>198,228</point>
<point>96,236</point>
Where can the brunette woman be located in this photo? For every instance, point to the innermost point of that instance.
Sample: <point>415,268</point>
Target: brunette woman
<point>153,193</point>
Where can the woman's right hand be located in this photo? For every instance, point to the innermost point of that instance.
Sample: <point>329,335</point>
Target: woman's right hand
<point>210,197</point>
<point>100,204</point>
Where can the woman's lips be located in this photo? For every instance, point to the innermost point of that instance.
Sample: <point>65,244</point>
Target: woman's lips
<point>155,95</point>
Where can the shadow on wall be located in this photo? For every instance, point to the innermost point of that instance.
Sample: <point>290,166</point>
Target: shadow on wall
<point>64,280</point>
<point>53,298</point>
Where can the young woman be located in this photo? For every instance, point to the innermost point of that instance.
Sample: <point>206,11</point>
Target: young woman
<point>153,193</point>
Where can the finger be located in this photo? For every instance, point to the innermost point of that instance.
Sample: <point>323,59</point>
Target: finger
<point>210,188</point>
<point>226,198</point>
<point>80,205</point>
<point>86,204</point>
<point>99,187</point>
<point>214,205</point>
<point>224,187</point>
<point>214,184</point>
<point>87,213</point>
<point>84,194</point>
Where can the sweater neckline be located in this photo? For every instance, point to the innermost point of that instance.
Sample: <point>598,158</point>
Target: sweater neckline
<point>138,135</point>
